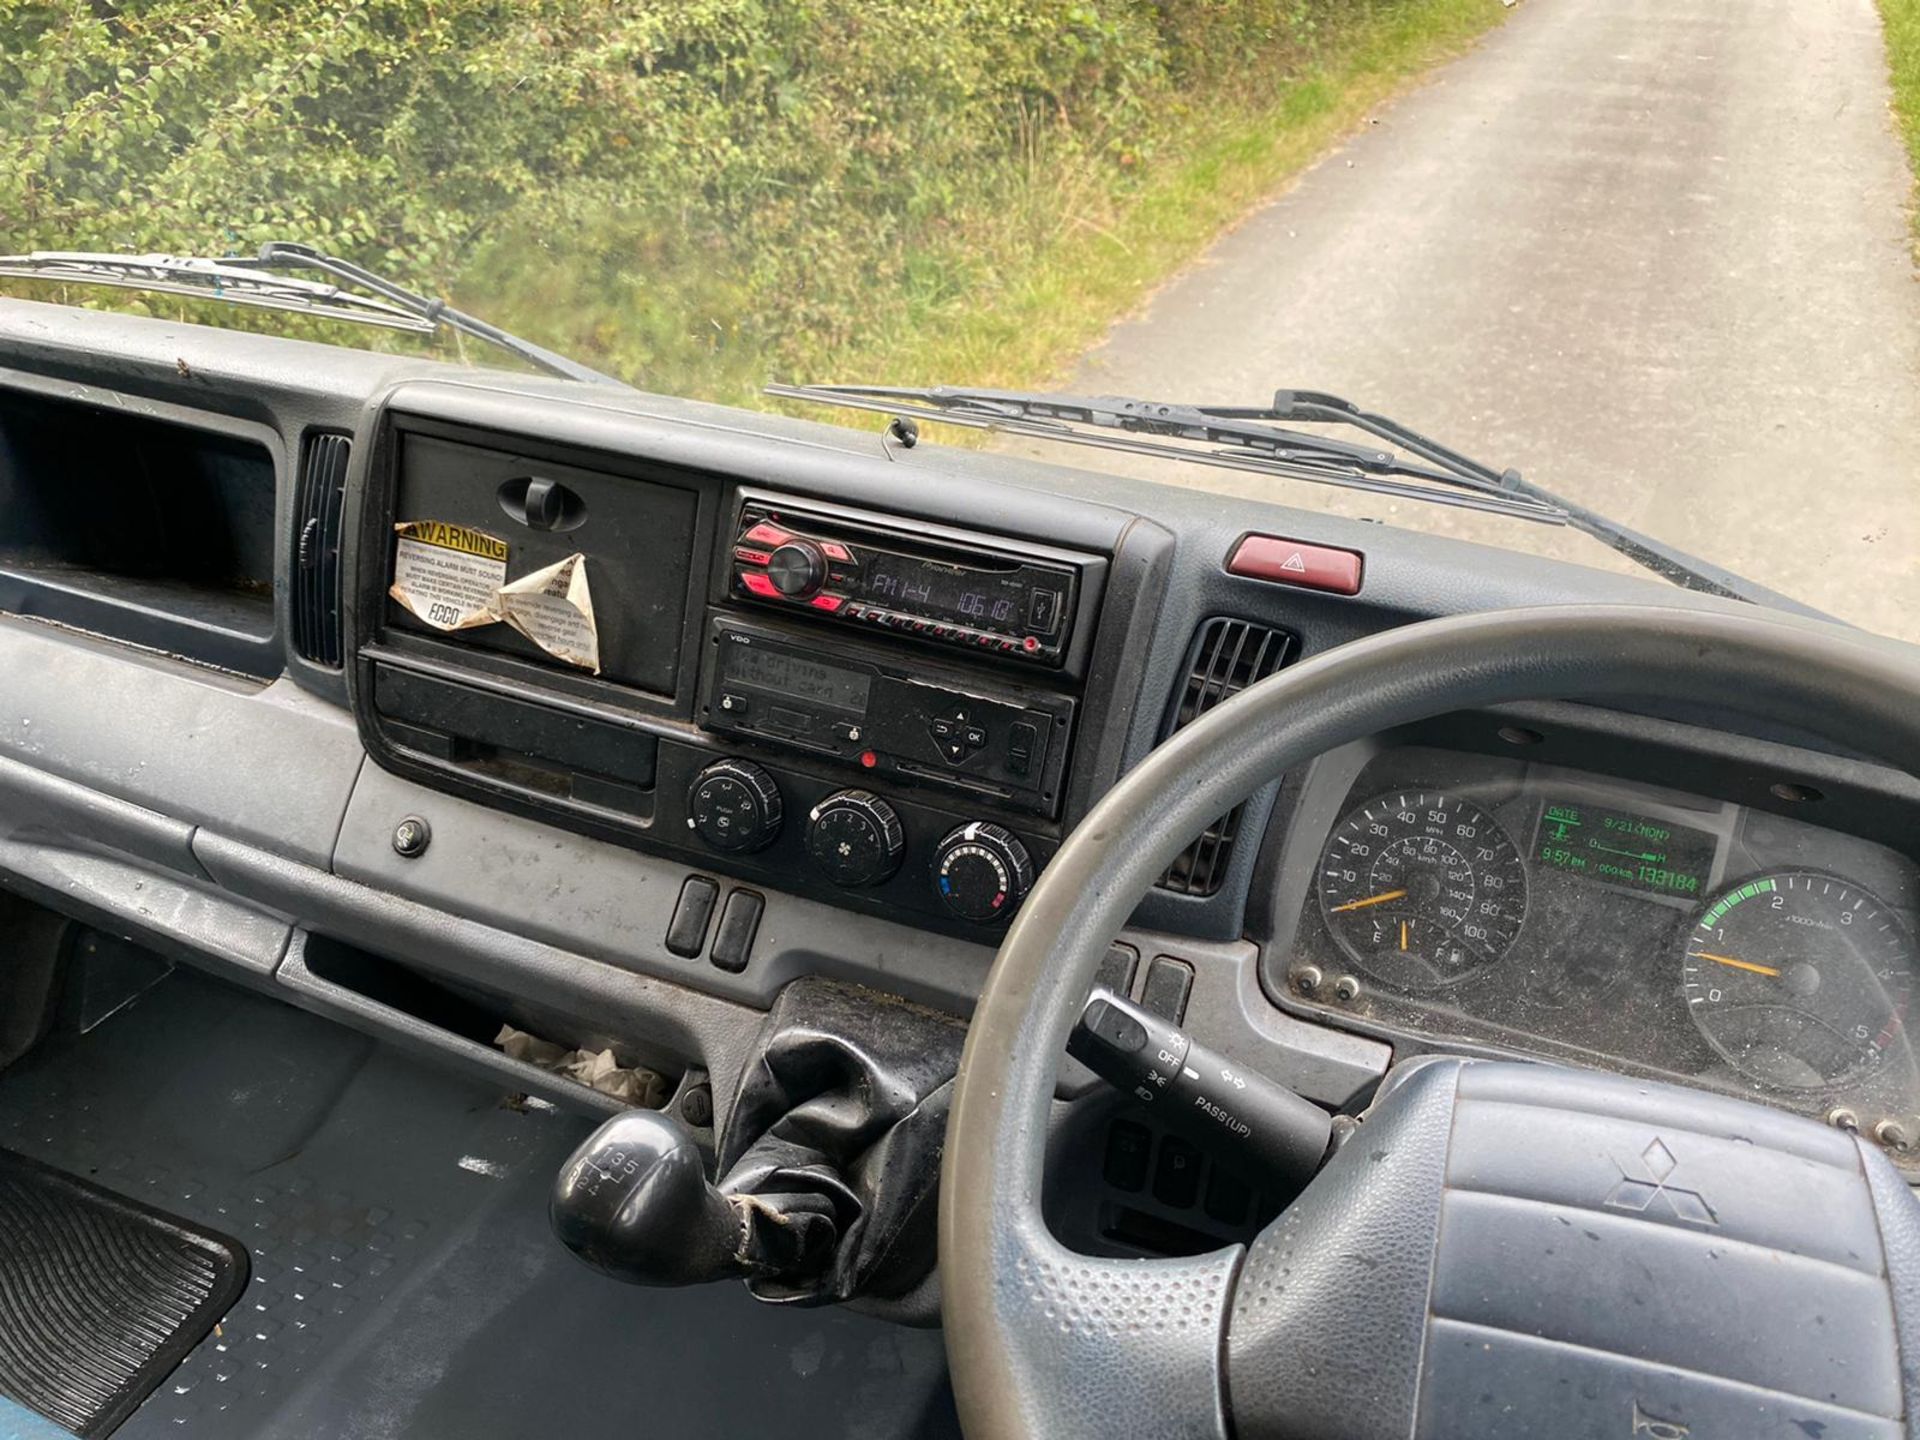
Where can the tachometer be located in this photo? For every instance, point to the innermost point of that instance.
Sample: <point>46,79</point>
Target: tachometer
<point>1798,979</point>
<point>1420,887</point>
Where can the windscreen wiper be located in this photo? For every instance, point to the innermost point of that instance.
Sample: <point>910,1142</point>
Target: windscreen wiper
<point>244,280</point>
<point>1257,439</point>
<point>1677,566</point>
<point>1238,439</point>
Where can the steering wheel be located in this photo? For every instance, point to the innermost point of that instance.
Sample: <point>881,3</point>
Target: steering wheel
<point>1502,1249</point>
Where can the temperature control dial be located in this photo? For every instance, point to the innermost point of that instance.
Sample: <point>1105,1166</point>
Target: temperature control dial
<point>797,568</point>
<point>855,837</point>
<point>982,872</point>
<point>734,805</point>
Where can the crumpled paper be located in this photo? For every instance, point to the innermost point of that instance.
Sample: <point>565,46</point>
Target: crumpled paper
<point>598,1071</point>
<point>553,609</point>
<point>455,578</point>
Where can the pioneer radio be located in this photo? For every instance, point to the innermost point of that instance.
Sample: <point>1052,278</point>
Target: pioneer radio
<point>973,597</point>
<point>895,721</point>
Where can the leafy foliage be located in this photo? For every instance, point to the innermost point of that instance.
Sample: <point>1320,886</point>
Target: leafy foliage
<point>695,193</point>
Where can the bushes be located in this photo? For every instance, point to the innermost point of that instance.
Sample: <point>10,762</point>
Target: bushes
<point>696,193</point>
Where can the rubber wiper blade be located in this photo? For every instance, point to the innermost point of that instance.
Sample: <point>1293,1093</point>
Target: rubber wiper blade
<point>233,281</point>
<point>1671,563</point>
<point>253,281</point>
<point>285,254</point>
<point>1452,478</point>
<point>1240,440</point>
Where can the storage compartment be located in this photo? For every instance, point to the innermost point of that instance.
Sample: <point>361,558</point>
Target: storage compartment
<point>637,534</point>
<point>466,1013</point>
<point>531,747</point>
<point>141,529</point>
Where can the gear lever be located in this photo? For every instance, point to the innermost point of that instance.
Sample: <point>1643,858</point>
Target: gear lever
<point>827,1166</point>
<point>634,1202</point>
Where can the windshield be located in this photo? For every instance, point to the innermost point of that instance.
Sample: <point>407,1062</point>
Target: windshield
<point>1664,269</point>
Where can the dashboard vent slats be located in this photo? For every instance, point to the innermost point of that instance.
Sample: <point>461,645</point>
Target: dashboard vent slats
<point>1227,656</point>
<point>318,507</point>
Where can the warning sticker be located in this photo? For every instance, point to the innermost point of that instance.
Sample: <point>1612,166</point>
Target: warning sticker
<point>448,575</point>
<point>552,608</point>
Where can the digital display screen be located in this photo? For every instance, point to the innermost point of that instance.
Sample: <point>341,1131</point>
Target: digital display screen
<point>788,674</point>
<point>986,601</point>
<point>1617,847</point>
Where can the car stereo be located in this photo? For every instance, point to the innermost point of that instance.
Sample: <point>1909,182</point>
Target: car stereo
<point>958,593</point>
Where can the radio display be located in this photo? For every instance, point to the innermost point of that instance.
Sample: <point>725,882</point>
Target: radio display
<point>985,601</point>
<point>785,673</point>
<point>1617,847</point>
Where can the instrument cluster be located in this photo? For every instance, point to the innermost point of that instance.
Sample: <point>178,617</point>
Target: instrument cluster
<point>1482,902</point>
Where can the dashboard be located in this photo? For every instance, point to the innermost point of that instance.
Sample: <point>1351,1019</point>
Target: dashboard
<point>1536,909</point>
<point>616,713</point>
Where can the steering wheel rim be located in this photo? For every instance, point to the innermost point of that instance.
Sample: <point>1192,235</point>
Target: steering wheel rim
<point>1043,1341</point>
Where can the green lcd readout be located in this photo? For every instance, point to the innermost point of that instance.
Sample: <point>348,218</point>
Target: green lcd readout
<point>1617,847</point>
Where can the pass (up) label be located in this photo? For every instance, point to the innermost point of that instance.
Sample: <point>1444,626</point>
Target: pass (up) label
<point>448,575</point>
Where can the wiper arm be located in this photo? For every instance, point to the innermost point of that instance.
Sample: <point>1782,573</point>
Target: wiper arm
<point>284,254</point>
<point>1242,440</point>
<point>1139,427</point>
<point>229,280</point>
<point>1669,562</point>
<point>1248,431</point>
<point>243,280</point>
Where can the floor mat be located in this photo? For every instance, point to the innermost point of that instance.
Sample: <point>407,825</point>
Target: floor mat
<point>405,1283</point>
<point>100,1298</point>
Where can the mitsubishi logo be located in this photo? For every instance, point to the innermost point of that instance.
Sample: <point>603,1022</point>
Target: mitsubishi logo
<point>1640,1195</point>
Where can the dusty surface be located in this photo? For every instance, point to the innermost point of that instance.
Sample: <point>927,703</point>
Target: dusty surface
<point>1652,252</point>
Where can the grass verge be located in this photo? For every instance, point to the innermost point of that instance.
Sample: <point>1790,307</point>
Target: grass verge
<point>1054,298</point>
<point>1902,18</point>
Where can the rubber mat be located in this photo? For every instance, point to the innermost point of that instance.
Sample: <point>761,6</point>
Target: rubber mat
<point>404,1282</point>
<point>100,1298</point>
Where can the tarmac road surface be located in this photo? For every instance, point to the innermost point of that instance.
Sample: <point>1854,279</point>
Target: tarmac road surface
<point>1654,253</point>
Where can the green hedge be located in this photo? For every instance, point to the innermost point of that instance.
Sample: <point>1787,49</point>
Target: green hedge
<point>695,193</point>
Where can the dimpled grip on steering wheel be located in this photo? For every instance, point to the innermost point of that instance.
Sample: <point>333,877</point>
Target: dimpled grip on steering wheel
<point>1046,1342</point>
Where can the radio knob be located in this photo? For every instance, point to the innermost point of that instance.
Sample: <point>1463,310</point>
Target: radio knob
<point>855,837</point>
<point>798,569</point>
<point>982,872</point>
<point>734,805</point>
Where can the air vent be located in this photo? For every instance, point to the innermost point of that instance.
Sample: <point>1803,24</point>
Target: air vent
<point>317,508</point>
<point>1227,657</point>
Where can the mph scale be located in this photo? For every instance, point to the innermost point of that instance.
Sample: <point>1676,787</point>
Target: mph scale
<point>1420,888</point>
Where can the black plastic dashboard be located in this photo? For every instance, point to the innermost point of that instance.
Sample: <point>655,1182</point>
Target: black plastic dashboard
<point>995,642</point>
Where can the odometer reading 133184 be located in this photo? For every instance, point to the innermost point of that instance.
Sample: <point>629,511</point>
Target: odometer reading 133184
<point>1422,887</point>
<point>1618,847</point>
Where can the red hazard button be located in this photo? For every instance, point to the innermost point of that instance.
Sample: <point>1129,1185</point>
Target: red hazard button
<point>1291,562</point>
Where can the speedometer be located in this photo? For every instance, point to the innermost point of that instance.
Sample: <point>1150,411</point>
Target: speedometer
<point>1799,979</point>
<point>1420,888</point>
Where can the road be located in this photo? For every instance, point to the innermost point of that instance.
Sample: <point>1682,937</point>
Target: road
<point>1655,253</point>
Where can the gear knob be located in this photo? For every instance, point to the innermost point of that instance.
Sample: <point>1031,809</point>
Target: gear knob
<point>634,1202</point>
